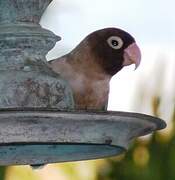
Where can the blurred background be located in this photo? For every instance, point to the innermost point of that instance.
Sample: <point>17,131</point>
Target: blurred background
<point>150,89</point>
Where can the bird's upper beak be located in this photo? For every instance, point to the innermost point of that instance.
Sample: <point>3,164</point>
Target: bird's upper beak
<point>132,55</point>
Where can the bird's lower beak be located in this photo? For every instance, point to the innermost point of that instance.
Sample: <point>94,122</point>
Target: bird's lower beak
<point>132,55</point>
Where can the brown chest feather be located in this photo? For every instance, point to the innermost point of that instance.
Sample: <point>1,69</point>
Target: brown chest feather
<point>91,94</point>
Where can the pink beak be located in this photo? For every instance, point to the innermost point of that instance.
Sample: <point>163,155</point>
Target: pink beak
<point>132,55</point>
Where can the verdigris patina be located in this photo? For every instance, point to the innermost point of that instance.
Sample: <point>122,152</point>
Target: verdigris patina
<point>25,78</point>
<point>33,130</point>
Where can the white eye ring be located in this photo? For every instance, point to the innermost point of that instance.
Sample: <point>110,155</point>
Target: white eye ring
<point>115,39</point>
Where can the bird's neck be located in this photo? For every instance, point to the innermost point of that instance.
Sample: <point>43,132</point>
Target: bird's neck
<point>85,63</point>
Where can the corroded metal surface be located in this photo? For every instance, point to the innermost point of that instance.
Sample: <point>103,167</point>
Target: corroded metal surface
<point>25,78</point>
<point>43,136</point>
<point>38,135</point>
<point>15,11</point>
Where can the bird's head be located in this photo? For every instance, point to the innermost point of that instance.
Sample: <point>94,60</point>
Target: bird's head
<point>113,49</point>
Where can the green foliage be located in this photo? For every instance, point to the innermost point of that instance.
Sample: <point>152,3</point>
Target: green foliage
<point>2,173</point>
<point>152,159</point>
<point>158,164</point>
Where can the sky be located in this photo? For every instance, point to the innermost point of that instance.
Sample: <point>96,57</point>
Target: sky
<point>150,22</point>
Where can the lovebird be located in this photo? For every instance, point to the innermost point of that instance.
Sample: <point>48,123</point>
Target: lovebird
<point>89,67</point>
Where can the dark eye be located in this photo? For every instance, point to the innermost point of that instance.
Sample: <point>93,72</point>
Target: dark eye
<point>115,42</point>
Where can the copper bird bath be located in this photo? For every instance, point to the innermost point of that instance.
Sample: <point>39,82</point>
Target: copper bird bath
<point>37,121</point>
